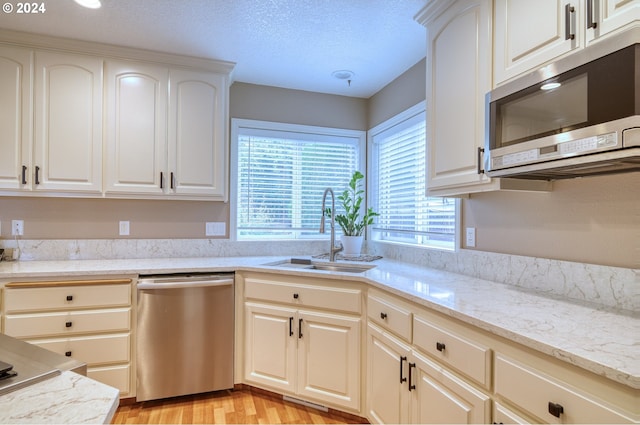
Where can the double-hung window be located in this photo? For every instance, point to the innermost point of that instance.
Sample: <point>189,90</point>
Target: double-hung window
<point>280,172</point>
<point>398,191</point>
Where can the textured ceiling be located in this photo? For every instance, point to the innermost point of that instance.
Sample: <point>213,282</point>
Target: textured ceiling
<point>285,43</point>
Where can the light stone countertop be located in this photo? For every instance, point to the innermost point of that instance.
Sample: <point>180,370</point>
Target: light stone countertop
<point>68,398</point>
<point>601,340</point>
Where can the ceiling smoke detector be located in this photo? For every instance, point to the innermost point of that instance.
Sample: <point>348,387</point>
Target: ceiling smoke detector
<point>343,74</point>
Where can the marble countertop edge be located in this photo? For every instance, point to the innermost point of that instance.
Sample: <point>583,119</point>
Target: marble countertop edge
<point>65,398</point>
<point>545,324</point>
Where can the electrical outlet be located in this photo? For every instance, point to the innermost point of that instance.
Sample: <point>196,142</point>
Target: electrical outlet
<point>471,237</point>
<point>124,228</point>
<point>17,227</point>
<point>215,228</point>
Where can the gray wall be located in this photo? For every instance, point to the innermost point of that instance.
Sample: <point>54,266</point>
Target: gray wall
<point>250,101</point>
<point>402,93</point>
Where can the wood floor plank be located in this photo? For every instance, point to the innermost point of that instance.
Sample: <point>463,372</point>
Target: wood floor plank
<point>242,406</point>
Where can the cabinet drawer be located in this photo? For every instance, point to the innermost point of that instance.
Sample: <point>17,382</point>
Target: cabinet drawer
<point>341,299</point>
<point>470,358</point>
<point>93,350</point>
<point>66,297</point>
<point>67,323</point>
<point>504,415</point>
<point>389,315</point>
<point>539,394</point>
<point>115,376</point>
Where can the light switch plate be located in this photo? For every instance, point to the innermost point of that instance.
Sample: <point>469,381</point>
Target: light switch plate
<point>471,237</point>
<point>215,228</point>
<point>124,228</point>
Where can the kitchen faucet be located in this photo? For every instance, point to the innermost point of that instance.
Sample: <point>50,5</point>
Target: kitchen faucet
<point>332,249</point>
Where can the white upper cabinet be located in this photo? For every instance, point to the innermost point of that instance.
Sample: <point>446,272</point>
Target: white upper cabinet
<point>51,122</point>
<point>197,155</point>
<point>138,124</point>
<point>16,82</point>
<point>610,16</point>
<point>136,117</point>
<point>458,77</point>
<point>68,123</point>
<point>165,132</point>
<point>530,34</point>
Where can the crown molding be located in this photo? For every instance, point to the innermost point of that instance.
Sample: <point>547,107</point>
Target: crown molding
<point>110,51</point>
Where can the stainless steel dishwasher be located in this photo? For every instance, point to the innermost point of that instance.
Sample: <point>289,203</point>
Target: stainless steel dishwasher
<point>184,334</point>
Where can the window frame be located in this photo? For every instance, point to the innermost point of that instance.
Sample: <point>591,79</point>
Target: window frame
<point>237,124</point>
<point>385,126</point>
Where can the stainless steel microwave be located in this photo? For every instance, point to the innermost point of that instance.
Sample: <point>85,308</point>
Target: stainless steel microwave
<point>576,117</point>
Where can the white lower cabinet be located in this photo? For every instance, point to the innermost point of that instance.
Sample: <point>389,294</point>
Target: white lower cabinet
<point>313,354</point>
<point>549,399</point>
<point>388,396</point>
<point>90,321</point>
<point>504,415</point>
<point>440,397</point>
<point>406,387</point>
<point>270,354</point>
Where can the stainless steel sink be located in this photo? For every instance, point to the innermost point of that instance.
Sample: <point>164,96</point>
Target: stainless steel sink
<point>305,263</point>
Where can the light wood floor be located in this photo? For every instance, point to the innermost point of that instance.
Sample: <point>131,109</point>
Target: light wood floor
<point>243,406</point>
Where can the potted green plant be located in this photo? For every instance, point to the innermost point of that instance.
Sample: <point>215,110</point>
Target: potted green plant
<point>352,224</point>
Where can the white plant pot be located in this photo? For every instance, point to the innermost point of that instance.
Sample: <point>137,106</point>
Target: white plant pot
<point>352,245</point>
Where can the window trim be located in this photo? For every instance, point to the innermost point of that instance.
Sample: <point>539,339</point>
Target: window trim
<point>237,124</point>
<point>419,108</point>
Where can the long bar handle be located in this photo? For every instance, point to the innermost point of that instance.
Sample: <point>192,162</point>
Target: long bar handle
<point>37,175</point>
<point>161,180</point>
<point>479,159</point>
<point>569,32</point>
<point>402,377</point>
<point>591,23</point>
<point>24,174</point>
<point>412,386</point>
<point>299,328</point>
<point>291,326</point>
<point>184,285</point>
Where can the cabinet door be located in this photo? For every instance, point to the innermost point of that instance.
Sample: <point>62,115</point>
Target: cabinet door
<point>609,16</point>
<point>530,33</point>
<point>68,123</point>
<point>270,346</point>
<point>440,397</point>
<point>388,396</point>
<point>197,114</point>
<point>136,144</point>
<point>458,77</point>
<point>329,358</point>
<point>16,117</point>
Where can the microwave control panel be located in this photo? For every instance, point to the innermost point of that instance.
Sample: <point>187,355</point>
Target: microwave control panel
<point>598,143</point>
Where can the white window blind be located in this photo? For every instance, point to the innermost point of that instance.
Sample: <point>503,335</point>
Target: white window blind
<point>281,176</point>
<point>398,182</point>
